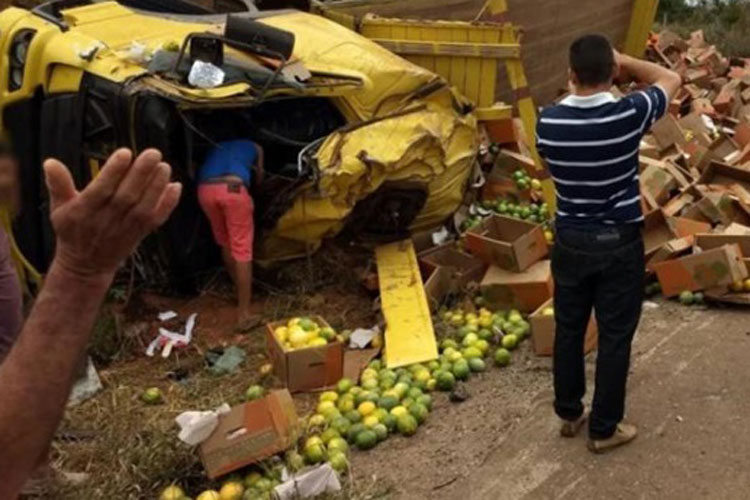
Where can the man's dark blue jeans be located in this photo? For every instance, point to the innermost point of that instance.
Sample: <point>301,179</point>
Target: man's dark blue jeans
<point>603,269</point>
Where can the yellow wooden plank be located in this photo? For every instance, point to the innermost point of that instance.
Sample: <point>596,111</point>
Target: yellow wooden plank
<point>475,52</point>
<point>474,68</point>
<point>429,33</point>
<point>443,63</point>
<point>641,20</point>
<point>488,77</point>
<point>458,64</point>
<point>409,334</point>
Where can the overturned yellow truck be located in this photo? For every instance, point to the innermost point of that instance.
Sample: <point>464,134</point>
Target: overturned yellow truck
<point>358,141</point>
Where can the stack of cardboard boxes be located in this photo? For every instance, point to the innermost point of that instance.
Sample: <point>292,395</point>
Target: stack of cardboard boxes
<point>695,173</point>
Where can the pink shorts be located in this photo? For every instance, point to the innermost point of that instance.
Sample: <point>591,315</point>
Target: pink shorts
<point>229,208</point>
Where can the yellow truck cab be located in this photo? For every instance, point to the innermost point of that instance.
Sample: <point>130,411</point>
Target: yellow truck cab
<point>358,141</point>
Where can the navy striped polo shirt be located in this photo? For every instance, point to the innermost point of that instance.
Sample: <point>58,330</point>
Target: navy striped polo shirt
<point>591,145</point>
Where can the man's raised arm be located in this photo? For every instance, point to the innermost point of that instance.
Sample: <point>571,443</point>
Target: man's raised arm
<point>96,230</point>
<point>650,73</point>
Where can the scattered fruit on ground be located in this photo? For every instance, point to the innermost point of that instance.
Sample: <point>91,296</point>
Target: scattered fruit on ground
<point>366,440</point>
<point>254,392</point>
<point>510,342</point>
<point>231,491</point>
<point>502,357</point>
<point>209,495</point>
<point>687,298</point>
<point>338,462</point>
<point>407,425</point>
<point>172,492</point>
<point>344,385</point>
<point>152,396</point>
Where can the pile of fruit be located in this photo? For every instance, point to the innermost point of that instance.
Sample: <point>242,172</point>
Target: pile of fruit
<point>385,403</point>
<point>524,181</point>
<point>253,486</point>
<point>688,298</point>
<point>301,333</point>
<point>537,213</point>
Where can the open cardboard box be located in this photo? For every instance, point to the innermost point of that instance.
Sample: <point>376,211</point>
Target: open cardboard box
<point>507,243</point>
<point>464,267</point>
<point>702,271</point>
<point>249,433</point>
<point>734,179</point>
<point>308,369</point>
<point>526,291</point>
<point>543,329</point>
<point>438,284</point>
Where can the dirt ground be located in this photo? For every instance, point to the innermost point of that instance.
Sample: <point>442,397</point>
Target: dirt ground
<point>686,392</point>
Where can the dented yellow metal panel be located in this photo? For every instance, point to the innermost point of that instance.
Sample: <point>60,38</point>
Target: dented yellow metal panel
<point>409,333</point>
<point>431,144</point>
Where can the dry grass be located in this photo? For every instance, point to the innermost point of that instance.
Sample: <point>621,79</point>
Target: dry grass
<point>135,452</point>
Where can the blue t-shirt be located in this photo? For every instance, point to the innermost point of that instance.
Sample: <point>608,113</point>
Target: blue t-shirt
<point>229,158</point>
<point>591,146</point>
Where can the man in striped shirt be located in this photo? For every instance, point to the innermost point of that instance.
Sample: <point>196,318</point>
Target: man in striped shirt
<point>590,142</point>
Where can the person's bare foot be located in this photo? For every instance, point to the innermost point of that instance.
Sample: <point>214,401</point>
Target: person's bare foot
<point>247,322</point>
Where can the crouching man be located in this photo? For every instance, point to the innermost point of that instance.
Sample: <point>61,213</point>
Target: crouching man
<point>224,183</point>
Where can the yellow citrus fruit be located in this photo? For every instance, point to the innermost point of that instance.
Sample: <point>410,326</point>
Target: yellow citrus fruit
<point>172,492</point>
<point>737,286</point>
<point>282,333</point>
<point>370,421</point>
<point>317,342</point>
<point>293,322</point>
<point>317,420</point>
<point>329,396</point>
<point>313,440</point>
<point>231,491</point>
<point>366,408</point>
<point>747,285</point>
<point>325,406</point>
<point>399,411</point>
<point>377,342</point>
<point>209,495</point>
<point>297,337</point>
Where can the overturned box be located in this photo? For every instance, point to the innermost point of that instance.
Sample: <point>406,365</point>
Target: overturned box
<point>543,327</point>
<point>702,271</point>
<point>526,291</point>
<point>464,267</point>
<point>307,369</point>
<point>507,243</point>
<point>250,433</point>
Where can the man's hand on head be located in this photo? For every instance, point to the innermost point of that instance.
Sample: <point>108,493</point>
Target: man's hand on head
<point>100,226</point>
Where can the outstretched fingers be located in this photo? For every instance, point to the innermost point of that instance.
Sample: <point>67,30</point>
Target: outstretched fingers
<point>168,202</point>
<point>59,183</point>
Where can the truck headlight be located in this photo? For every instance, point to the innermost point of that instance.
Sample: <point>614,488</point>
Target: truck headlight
<point>19,50</point>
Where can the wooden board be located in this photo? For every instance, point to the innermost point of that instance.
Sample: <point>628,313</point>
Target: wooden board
<point>409,334</point>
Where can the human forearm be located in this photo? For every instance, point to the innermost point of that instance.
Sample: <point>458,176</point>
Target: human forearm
<point>38,372</point>
<point>651,74</point>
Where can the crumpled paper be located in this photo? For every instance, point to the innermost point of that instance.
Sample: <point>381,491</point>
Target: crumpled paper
<point>362,337</point>
<point>309,483</point>
<point>197,426</point>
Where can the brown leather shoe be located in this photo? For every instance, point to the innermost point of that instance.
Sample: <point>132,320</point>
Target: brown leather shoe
<point>570,429</point>
<point>624,434</point>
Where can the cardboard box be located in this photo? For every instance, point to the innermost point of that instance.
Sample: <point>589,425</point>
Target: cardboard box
<point>711,241</point>
<point>543,332</point>
<point>703,271</point>
<point>657,185</point>
<point>249,433</point>
<point>671,250</point>
<point>734,179</point>
<point>656,232</point>
<point>438,284</point>
<point>309,369</point>
<point>527,291</point>
<point>464,267</point>
<point>507,243</point>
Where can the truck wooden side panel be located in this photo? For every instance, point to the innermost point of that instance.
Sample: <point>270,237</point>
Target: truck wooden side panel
<point>549,27</point>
